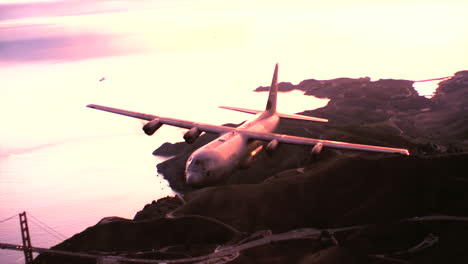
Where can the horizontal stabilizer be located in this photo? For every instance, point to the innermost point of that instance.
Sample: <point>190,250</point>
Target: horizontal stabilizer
<point>243,110</point>
<point>285,116</point>
<point>303,117</point>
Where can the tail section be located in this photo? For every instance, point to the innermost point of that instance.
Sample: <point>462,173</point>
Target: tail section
<point>271,103</point>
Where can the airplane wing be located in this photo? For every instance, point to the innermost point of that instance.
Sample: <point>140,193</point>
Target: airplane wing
<point>286,139</point>
<point>165,120</point>
<point>285,116</point>
<point>263,136</point>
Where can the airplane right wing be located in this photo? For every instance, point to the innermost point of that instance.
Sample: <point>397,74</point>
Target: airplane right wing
<point>281,138</point>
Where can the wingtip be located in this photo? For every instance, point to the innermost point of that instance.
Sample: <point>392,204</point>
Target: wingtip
<point>91,106</point>
<point>404,152</point>
<point>320,120</point>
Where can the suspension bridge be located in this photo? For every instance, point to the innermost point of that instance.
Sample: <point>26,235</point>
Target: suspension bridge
<point>223,254</point>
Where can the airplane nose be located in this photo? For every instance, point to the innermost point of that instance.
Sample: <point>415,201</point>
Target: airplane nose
<point>193,178</point>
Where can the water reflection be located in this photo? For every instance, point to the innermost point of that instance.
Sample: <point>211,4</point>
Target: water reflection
<point>73,185</point>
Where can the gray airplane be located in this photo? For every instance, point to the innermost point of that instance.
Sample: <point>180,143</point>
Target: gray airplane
<point>236,146</point>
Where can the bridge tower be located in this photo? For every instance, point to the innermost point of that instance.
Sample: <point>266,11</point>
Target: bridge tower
<point>28,257</point>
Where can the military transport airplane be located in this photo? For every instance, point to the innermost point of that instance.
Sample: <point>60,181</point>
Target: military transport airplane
<point>214,161</point>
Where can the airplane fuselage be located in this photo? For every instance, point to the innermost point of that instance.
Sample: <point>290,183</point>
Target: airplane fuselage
<point>210,163</point>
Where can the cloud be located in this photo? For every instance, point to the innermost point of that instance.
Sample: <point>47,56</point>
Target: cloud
<point>60,48</point>
<point>10,11</point>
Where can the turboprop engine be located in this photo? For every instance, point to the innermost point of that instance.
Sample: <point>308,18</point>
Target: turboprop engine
<point>192,135</point>
<point>317,149</point>
<point>151,127</point>
<point>272,146</point>
<point>251,157</point>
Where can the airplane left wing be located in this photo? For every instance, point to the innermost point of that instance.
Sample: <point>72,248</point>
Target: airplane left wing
<point>165,120</point>
<point>281,138</point>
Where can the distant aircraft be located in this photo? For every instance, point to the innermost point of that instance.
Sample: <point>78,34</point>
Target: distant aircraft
<point>214,161</point>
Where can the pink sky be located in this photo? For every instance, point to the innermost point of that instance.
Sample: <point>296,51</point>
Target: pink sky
<point>401,39</point>
<point>166,51</point>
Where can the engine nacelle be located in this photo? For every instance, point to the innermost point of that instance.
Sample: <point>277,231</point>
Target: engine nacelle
<point>192,135</point>
<point>317,149</point>
<point>253,155</point>
<point>151,127</point>
<point>272,146</point>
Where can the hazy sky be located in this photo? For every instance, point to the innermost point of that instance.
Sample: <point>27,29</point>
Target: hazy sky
<point>401,39</point>
<point>174,57</point>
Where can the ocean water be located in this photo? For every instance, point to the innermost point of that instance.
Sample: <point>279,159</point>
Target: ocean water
<point>69,166</point>
<point>72,185</point>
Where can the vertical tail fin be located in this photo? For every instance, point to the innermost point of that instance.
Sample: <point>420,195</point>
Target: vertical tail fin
<point>271,103</point>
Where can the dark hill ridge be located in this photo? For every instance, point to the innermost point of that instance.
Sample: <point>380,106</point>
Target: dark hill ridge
<point>393,108</point>
<point>291,190</point>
